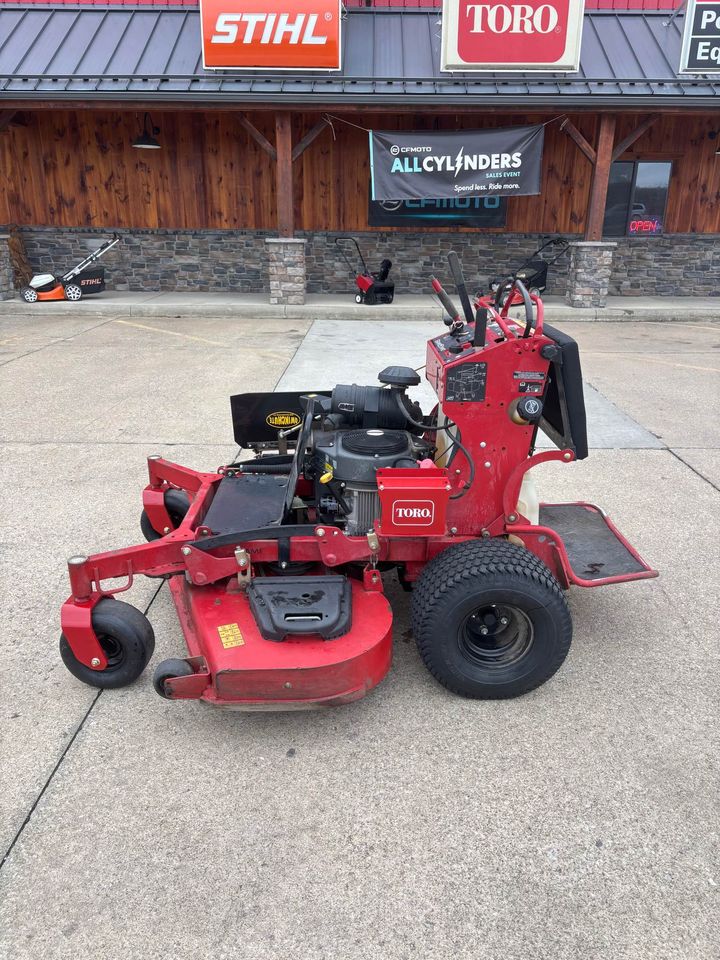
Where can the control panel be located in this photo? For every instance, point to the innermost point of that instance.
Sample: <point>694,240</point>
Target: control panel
<point>450,346</point>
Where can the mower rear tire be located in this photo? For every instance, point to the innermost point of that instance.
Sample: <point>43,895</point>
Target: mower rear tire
<point>128,641</point>
<point>490,620</point>
<point>29,295</point>
<point>73,292</point>
<point>177,505</point>
<point>174,667</point>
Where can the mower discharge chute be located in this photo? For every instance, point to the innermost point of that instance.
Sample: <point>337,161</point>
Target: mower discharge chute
<point>73,285</point>
<point>276,563</point>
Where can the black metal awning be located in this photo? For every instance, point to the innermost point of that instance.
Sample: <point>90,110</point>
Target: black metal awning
<point>390,57</point>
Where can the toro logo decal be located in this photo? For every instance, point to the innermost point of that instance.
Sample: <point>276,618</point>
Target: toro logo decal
<point>413,513</point>
<point>282,419</point>
<point>530,35</point>
<point>271,34</point>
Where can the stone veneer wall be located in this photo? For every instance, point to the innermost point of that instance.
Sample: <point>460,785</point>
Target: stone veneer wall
<point>680,264</point>
<point>164,260</point>
<point>418,256</point>
<point>7,285</point>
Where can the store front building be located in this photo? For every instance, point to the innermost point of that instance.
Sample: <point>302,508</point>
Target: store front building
<point>629,163</point>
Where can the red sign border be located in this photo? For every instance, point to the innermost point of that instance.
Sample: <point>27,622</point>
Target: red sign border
<point>302,69</point>
<point>450,61</point>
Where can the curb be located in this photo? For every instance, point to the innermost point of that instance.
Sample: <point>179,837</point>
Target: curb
<point>351,311</point>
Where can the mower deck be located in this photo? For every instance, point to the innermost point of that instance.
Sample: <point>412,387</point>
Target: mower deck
<point>225,643</point>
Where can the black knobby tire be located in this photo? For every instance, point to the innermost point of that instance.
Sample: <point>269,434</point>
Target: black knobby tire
<point>177,504</point>
<point>174,667</point>
<point>127,638</point>
<point>490,620</point>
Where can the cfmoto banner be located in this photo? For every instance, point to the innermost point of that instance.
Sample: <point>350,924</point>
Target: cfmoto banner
<point>465,163</point>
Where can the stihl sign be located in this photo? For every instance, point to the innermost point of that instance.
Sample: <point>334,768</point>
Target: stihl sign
<point>271,34</point>
<point>534,35</point>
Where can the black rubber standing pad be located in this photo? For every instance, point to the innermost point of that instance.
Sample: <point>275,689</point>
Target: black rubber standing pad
<point>301,606</point>
<point>593,549</point>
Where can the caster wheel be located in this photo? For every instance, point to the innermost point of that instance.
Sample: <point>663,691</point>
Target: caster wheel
<point>167,669</point>
<point>177,504</point>
<point>490,620</point>
<point>358,298</point>
<point>127,639</point>
<point>73,292</point>
<point>534,292</point>
<point>29,295</point>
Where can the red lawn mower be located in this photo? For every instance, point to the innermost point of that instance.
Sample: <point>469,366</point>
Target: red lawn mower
<point>276,563</point>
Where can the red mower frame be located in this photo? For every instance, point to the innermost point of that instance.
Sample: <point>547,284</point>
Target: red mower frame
<point>477,499</point>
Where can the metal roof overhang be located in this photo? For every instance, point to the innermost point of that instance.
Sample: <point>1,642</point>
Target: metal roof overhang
<point>92,56</point>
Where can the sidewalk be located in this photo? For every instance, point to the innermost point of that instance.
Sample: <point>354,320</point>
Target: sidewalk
<point>253,306</point>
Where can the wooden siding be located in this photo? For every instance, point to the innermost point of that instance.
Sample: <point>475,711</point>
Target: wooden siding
<point>77,169</point>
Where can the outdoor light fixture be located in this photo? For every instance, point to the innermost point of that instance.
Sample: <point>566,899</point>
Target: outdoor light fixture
<point>146,140</point>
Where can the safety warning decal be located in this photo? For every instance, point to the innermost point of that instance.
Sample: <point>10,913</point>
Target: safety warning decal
<point>230,635</point>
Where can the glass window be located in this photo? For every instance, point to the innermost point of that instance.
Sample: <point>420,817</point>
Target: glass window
<point>637,197</point>
<point>618,199</point>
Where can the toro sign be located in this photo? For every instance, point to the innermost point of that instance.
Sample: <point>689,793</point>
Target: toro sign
<point>270,34</point>
<point>492,36</point>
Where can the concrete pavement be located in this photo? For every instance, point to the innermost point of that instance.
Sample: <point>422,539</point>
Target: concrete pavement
<point>577,822</point>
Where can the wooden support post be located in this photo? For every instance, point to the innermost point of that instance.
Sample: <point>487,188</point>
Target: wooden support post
<point>283,174</point>
<point>259,139</point>
<point>632,137</point>
<point>601,178</point>
<point>572,131</point>
<point>302,145</point>
<point>5,119</point>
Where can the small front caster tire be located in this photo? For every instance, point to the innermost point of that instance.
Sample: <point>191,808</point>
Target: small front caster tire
<point>490,620</point>
<point>127,639</point>
<point>174,667</point>
<point>358,298</point>
<point>177,504</point>
<point>534,292</point>
<point>73,292</point>
<point>29,295</point>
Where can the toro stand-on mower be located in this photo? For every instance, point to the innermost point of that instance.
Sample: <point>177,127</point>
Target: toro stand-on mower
<point>73,285</point>
<point>276,563</point>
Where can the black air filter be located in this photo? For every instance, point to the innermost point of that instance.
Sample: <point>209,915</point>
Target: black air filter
<point>382,442</point>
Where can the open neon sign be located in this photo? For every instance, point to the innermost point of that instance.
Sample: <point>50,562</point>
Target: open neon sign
<point>653,225</point>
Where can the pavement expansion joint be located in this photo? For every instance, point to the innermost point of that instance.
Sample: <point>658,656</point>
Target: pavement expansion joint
<point>62,756</point>
<point>696,472</point>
